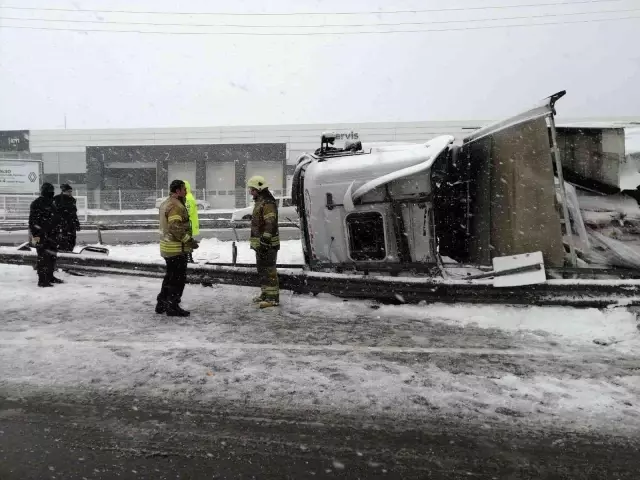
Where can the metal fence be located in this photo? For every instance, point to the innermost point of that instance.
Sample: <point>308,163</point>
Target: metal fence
<point>17,206</point>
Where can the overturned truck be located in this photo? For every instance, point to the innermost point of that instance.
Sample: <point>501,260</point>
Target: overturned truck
<point>494,205</point>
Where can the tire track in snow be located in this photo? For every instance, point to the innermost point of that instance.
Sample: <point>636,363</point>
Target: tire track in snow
<point>178,345</point>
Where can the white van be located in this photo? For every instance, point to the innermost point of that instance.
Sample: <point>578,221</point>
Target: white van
<point>286,211</point>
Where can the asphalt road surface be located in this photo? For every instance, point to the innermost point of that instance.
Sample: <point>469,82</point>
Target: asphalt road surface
<point>116,437</point>
<point>116,237</point>
<point>95,385</point>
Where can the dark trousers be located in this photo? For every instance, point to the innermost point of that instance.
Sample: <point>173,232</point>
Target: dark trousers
<point>266,262</point>
<point>45,264</point>
<point>67,242</point>
<point>174,281</point>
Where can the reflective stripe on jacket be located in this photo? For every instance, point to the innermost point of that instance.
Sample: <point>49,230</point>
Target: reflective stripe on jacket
<point>192,208</point>
<point>175,229</point>
<point>264,221</point>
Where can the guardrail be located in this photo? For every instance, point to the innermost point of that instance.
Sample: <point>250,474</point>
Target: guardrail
<point>141,225</point>
<point>577,293</point>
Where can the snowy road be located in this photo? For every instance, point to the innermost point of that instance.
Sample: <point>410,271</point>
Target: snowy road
<point>487,368</point>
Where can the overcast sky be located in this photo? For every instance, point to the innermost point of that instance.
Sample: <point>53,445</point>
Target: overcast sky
<point>110,80</point>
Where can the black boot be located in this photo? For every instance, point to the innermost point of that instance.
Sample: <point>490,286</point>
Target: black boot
<point>176,311</point>
<point>56,280</point>
<point>163,304</point>
<point>44,284</point>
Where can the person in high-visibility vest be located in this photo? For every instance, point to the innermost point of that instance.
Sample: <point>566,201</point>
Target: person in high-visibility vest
<point>265,240</point>
<point>192,208</point>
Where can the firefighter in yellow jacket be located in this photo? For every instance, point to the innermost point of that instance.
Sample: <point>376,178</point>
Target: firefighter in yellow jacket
<point>176,243</point>
<point>265,240</point>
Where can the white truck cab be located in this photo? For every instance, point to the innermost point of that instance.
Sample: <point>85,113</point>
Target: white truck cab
<point>372,206</point>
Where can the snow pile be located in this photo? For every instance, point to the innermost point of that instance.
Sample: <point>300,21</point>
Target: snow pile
<point>630,172</point>
<point>609,251</point>
<point>573,326</point>
<point>609,241</point>
<point>632,140</point>
<point>601,244</point>
<point>617,204</point>
<point>535,365</point>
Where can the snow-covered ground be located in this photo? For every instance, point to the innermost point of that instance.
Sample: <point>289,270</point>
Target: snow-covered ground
<point>534,366</point>
<point>211,250</point>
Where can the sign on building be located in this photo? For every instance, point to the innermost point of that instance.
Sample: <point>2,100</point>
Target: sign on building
<point>14,141</point>
<point>20,176</point>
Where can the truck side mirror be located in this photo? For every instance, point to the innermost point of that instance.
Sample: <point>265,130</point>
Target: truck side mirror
<point>330,204</point>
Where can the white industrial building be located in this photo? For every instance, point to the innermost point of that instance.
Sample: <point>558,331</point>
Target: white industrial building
<point>140,163</point>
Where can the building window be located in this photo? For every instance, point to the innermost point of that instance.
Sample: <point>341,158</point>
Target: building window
<point>366,236</point>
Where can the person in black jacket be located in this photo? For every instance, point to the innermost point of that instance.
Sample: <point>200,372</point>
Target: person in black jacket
<point>43,224</point>
<point>68,224</point>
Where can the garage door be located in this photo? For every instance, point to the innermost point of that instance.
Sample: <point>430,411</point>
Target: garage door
<point>271,171</point>
<point>183,171</point>
<point>221,184</point>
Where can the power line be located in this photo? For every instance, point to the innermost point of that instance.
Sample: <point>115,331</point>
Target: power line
<point>388,12</point>
<point>283,34</point>
<point>521,17</point>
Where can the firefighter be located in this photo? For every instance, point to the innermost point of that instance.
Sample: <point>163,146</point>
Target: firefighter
<point>265,240</point>
<point>192,208</point>
<point>69,224</point>
<point>176,244</point>
<point>43,225</point>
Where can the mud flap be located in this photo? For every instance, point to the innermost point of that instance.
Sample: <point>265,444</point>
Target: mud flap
<point>516,270</point>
